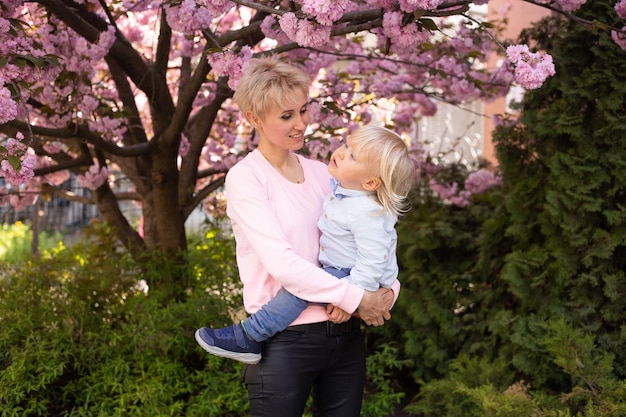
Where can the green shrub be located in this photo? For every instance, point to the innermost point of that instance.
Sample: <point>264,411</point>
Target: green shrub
<point>522,291</point>
<point>382,395</point>
<point>82,336</point>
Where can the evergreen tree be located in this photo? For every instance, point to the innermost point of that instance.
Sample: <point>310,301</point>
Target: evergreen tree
<point>524,290</point>
<point>564,168</point>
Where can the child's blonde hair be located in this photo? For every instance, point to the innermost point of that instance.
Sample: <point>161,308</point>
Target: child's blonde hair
<point>390,160</point>
<point>268,82</point>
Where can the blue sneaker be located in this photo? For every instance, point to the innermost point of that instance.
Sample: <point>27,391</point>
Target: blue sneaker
<point>230,342</point>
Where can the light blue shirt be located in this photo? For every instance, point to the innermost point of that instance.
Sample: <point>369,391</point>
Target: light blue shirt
<point>356,235</point>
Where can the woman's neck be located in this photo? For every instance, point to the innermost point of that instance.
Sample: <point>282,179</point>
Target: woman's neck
<point>286,163</point>
<point>280,159</point>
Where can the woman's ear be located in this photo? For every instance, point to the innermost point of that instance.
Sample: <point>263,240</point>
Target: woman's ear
<point>253,118</point>
<point>372,184</point>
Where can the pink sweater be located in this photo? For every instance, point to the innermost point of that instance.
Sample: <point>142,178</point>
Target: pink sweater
<point>275,227</point>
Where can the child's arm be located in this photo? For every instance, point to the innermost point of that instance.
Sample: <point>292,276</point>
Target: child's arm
<point>336,314</point>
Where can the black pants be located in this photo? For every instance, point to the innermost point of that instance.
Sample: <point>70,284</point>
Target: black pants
<point>304,360</point>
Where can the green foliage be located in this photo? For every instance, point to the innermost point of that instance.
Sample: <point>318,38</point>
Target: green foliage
<point>83,336</point>
<point>595,388</point>
<point>16,240</point>
<point>447,272</point>
<point>382,394</point>
<point>573,130</point>
<point>514,306</point>
<point>473,386</point>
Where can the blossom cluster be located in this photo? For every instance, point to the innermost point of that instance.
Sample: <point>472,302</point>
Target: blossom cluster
<point>230,64</point>
<point>565,5</point>
<point>304,32</point>
<point>396,73</point>
<point>531,68</point>
<point>619,37</point>
<point>476,183</point>
<point>93,178</point>
<point>8,107</point>
<point>21,198</point>
<point>17,173</point>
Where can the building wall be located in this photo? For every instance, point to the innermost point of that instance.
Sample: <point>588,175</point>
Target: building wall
<point>463,133</point>
<point>521,15</point>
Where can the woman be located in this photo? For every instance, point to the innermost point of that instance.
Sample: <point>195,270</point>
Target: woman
<point>274,198</point>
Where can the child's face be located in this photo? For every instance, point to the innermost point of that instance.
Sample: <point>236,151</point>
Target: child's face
<point>349,168</point>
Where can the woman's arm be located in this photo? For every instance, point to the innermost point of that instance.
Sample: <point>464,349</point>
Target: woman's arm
<point>269,226</point>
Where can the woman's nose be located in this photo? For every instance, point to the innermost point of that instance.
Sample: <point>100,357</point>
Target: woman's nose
<point>301,123</point>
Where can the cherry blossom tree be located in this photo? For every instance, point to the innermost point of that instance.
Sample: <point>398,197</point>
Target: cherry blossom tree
<point>134,96</point>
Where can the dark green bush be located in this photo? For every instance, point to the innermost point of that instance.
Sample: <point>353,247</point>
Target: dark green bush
<point>514,305</point>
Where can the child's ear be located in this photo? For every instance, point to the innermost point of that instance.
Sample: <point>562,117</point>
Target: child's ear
<point>372,184</point>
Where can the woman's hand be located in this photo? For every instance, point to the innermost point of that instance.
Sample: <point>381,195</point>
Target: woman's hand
<point>336,314</point>
<point>374,307</point>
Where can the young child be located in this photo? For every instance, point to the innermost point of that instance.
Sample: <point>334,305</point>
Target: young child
<point>373,173</point>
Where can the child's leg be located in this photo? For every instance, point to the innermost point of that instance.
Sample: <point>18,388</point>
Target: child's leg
<point>339,273</point>
<point>245,343</point>
<point>274,316</point>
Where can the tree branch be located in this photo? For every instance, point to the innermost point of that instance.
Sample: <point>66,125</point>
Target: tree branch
<point>67,194</point>
<point>163,47</point>
<point>135,133</point>
<point>202,194</point>
<point>89,25</point>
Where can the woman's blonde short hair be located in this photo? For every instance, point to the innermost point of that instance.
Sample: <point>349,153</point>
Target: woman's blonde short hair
<point>268,82</point>
<point>389,159</point>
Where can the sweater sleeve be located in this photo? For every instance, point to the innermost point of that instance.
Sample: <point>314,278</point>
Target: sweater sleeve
<point>264,237</point>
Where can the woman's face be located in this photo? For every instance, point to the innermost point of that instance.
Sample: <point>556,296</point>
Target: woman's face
<point>283,126</point>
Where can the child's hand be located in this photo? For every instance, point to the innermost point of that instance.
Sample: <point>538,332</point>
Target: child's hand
<point>336,314</point>
<point>388,298</point>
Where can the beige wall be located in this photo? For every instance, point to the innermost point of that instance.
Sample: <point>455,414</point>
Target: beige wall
<point>520,15</point>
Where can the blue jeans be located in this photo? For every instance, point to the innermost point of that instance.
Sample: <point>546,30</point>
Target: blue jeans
<point>280,311</point>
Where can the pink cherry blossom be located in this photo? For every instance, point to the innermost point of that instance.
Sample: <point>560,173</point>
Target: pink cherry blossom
<point>57,178</point>
<point>397,75</point>
<point>8,107</point>
<point>26,197</point>
<point>476,183</point>
<point>270,28</point>
<point>311,34</point>
<point>188,16</point>
<point>531,68</point>
<point>327,12</point>
<point>413,5</point>
<point>403,36</point>
<point>565,5</point>
<point>230,64</point>
<point>93,178</point>
<point>304,32</point>
<point>619,37</point>
<point>183,147</point>
<point>25,173</point>
<point>218,7</point>
<point>53,147</point>
<point>450,192</point>
<point>620,9</point>
<point>480,181</point>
